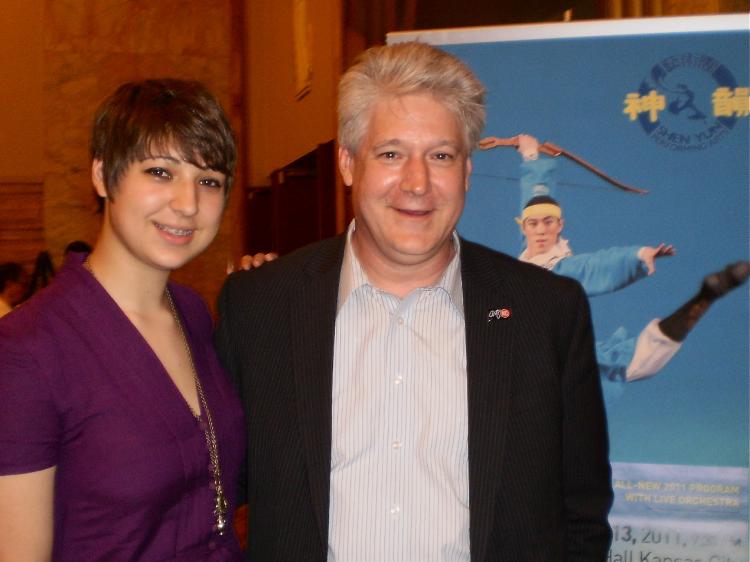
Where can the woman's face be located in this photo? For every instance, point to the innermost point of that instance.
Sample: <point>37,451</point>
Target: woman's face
<point>164,211</point>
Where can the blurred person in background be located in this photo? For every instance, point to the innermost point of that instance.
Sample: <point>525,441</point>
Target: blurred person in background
<point>12,286</point>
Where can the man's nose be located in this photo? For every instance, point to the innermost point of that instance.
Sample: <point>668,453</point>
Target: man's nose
<point>416,176</point>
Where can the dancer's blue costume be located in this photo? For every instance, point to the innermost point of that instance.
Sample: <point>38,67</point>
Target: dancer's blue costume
<point>600,272</point>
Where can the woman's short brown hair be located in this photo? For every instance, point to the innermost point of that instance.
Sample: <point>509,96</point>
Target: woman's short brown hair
<point>141,117</point>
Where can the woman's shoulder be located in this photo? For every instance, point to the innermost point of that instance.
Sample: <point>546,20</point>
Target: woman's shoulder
<point>33,317</point>
<point>69,306</point>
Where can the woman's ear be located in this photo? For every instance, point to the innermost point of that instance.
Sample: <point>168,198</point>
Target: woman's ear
<point>97,178</point>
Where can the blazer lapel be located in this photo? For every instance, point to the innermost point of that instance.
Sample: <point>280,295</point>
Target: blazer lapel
<point>312,338</point>
<point>489,344</point>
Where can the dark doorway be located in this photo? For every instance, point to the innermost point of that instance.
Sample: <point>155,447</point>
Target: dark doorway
<point>299,207</point>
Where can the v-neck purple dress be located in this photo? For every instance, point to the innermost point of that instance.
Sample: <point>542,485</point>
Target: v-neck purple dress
<point>81,390</point>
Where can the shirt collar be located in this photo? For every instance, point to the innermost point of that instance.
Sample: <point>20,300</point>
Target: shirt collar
<point>548,259</point>
<point>353,275</point>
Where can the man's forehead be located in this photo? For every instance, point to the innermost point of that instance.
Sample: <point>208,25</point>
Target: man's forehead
<point>404,119</point>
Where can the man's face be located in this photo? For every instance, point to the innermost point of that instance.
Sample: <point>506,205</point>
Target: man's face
<point>409,175</point>
<point>541,233</point>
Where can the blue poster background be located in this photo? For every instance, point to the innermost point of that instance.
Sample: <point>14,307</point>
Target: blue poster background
<point>572,92</point>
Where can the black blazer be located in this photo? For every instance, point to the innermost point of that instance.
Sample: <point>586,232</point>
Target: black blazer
<point>539,473</point>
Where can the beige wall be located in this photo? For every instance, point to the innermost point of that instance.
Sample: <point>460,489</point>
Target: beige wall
<point>21,89</point>
<point>282,128</point>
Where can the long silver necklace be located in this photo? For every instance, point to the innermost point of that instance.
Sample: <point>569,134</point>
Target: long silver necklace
<point>221,506</point>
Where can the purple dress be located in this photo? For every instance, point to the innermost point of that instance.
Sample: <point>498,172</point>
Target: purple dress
<point>80,389</point>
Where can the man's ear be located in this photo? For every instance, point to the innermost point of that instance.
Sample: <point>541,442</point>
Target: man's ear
<point>562,224</point>
<point>97,178</point>
<point>468,173</point>
<point>346,166</point>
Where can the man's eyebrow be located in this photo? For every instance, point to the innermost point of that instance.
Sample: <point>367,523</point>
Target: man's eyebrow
<point>398,142</point>
<point>387,142</point>
<point>449,142</point>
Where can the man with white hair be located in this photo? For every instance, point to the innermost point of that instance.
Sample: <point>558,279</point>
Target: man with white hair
<point>412,396</point>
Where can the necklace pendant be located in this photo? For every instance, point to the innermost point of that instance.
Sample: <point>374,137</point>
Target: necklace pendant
<point>221,524</point>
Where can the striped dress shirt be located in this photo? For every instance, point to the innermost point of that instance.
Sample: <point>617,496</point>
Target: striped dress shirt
<point>399,454</point>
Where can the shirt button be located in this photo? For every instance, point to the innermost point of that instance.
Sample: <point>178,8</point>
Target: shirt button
<point>396,444</point>
<point>395,510</point>
<point>400,320</point>
<point>398,380</point>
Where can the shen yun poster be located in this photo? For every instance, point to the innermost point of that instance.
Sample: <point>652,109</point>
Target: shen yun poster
<point>629,139</point>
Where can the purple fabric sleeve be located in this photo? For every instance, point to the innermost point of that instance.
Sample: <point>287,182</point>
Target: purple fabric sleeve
<point>29,421</point>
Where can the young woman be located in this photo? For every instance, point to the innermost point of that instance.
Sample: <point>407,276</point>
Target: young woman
<point>121,438</point>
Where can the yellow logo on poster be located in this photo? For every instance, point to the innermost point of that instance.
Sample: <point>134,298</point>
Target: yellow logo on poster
<point>652,103</point>
<point>730,102</point>
<point>687,101</point>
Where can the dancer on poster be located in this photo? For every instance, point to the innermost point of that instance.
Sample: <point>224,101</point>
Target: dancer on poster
<point>622,358</point>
